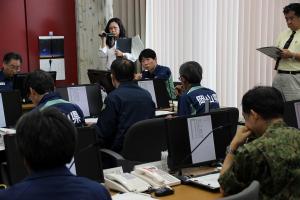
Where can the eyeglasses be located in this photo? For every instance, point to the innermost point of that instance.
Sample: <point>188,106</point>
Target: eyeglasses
<point>14,67</point>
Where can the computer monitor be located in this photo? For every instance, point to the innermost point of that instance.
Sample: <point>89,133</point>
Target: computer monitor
<point>10,108</point>
<point>184,134</point>
<point>87,156</point>
<point>19,84</point>
<point>158,90</point>
<point>101,77</point>
<point>87,97</point>
<point>291,114</point>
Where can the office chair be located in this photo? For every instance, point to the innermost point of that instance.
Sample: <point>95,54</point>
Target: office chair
<point>144,141</point>
<point>13,170</point>
<point>289,115</point>
<point>249,193</point>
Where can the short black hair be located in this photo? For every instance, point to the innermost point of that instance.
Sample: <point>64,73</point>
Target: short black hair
<point>292,7</point>
<point>121,27</point>
<point>46,139</point>
<point>123,69</point>
<point>12,56</point>
<point>191,71</point>
<point>147,53</point>
<point>267,101</point>
<point>39,80</point>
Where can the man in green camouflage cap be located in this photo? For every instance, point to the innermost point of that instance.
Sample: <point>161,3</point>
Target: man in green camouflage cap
<point>272,157</point>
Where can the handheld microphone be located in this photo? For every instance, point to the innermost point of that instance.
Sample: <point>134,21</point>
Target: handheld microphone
<point>208,134</point>
<point>106,34</point>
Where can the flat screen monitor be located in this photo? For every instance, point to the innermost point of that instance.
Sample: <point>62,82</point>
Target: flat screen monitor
<point>184,134</point>
<point>10,108</point>
<point>87,97</point>
<point>87,156</point>
<point>291,114</point>
<point>19,84</point>
<point>158,90</point>
<point>101,77</point>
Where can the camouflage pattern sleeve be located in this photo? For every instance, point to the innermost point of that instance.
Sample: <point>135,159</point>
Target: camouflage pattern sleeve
<point>241,174</point>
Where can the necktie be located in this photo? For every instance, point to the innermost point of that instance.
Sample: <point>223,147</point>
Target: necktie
<point>286,46</point>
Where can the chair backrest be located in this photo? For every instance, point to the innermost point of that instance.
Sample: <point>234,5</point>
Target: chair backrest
<point>102,77</point>
<point>249,193</point>
<point>290,113</point>
<point>145,140</point>
<point>87,157</point>
<point>15,163</point>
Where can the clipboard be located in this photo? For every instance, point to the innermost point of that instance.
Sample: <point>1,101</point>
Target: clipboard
<point>273,52</point>
<point>124,45</point>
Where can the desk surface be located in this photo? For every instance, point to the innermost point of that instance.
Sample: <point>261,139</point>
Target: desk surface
<point>191,193</point>
<point>188,192</point>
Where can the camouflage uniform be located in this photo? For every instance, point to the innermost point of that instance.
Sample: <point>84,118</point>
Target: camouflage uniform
<point>273,159</point>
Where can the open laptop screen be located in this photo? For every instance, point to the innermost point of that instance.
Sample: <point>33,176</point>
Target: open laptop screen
<point>10,108</point>
<point>19,84</point>
<point>157,89</point>
<point>87,97</point>
<point>184,134</point>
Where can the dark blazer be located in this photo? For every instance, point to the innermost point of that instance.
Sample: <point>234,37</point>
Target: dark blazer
<point>123,107</point>
<point>55,184</point>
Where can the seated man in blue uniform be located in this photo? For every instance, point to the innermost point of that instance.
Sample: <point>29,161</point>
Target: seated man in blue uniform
<point>124,106</point>
<point>154,71</point>
<point>46,140</point>
<point>193,97</point>
<point>39,86</point>
<point>11,65</point>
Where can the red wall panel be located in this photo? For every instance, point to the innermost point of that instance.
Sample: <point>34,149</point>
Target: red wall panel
<point>13,29</point>
<point>57,16</point>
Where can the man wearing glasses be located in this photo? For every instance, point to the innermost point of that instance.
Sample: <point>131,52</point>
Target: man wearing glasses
<point>11,65</point>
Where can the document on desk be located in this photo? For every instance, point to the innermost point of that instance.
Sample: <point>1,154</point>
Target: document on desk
<point>273,52</point>
<point>163,112</point>
<point>132,196</point>
<point>78,96</point>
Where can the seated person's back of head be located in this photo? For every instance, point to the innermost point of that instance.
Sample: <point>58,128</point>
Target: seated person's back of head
<point>194,96</point>
<point>46,140</point>
<point>39,86</point>
<point>124,106</point>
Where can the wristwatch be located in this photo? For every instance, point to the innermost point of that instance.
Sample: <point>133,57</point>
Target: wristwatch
<point>230,150</point>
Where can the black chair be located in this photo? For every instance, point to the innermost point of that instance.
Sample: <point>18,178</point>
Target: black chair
<point>249,193</point>
<point>13,170</point>
<point>87,157</point>
<point>144,141</point>
<point>290,113</point>
<point>101,77</point>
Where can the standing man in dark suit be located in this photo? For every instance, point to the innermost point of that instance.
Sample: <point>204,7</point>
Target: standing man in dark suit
<point>124,106</point>
<point>46,140</point>
<point>11,65</point>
